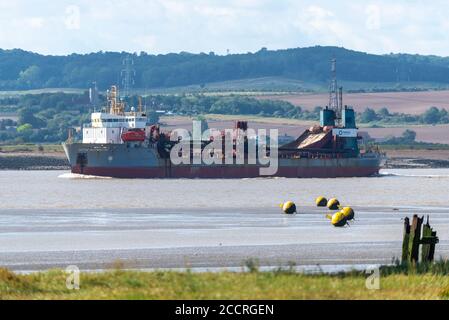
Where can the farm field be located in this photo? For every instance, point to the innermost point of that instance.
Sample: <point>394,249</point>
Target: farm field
<point>292,127</point>
<point>425,133</point>
<point>403,102</point>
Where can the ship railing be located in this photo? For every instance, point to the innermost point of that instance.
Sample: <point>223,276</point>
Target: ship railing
<point>311,154</point>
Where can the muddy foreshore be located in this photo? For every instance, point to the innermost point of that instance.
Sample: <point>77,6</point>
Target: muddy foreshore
<point>419,159</point>
<point>33,161</point>
<point>413,163</point>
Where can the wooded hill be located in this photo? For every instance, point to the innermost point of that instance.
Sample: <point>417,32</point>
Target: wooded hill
<point>21,70</point>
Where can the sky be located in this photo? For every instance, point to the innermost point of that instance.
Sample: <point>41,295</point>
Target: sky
<point>162,26</point>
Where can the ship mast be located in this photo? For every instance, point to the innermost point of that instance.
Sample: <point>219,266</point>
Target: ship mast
<point>335,98</point>
<point>115,107</point>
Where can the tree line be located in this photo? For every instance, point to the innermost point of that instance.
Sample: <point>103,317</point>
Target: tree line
<point>432,115</point>
<point>21,70</point>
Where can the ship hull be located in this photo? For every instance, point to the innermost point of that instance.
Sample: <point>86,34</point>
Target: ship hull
<point>140,161</point>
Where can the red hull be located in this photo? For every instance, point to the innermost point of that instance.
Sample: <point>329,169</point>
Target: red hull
<point>229,172</point>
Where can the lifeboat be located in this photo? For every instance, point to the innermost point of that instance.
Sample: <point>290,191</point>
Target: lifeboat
<point>133,135</point>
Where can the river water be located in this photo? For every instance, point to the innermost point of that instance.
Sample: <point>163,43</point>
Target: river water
<point>59,189</point>
<point>52,219</point>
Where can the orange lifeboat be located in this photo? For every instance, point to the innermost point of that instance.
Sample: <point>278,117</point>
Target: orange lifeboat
<point>133,135</point>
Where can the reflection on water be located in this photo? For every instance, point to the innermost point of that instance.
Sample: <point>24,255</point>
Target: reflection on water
<point>56,189</point>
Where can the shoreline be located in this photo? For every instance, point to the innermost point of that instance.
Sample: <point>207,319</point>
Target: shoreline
<point>33,161</point>
<point>417,159</point>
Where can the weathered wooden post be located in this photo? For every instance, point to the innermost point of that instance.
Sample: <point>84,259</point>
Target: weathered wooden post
<point>412,240</point>
<point>428,241</point>
<point>415,237</point>
<point>406,239</point>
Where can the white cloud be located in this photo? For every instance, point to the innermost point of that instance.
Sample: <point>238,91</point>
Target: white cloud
<point>373,17</point>
<point>36,22</point>
<point>148,43</point>
<point>72,18</point>
<point>160,26</point>
<point>323,24</point>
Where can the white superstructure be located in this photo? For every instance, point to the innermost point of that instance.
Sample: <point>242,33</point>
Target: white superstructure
<point>108,127</point>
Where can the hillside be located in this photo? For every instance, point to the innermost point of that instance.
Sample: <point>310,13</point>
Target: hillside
<point>304,69</point>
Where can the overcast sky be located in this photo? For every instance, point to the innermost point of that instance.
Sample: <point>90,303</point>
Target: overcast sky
<point>162,26</point>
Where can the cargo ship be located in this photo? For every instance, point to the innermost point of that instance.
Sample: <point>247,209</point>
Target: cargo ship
<point>122,145</point>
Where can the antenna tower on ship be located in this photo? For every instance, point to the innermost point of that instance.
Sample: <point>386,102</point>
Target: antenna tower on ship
<point>335,93</point>
<point>115,107</point>
<point>128,73</point>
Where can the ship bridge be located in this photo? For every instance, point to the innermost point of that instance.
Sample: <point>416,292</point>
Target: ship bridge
<point>108,127</point>
<point>127,120</point>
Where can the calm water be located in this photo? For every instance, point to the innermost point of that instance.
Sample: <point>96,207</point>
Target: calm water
<point>59,189</point>
<point>91,222</point>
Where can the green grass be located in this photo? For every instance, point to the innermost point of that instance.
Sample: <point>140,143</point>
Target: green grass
<point>32,148</point>
<point>15,93</point>
<point>398,282</point>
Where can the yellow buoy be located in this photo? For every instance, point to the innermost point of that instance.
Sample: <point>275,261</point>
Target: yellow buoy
<point>333,204</point>
<point>289,207</point>
<point>338,219</point>
<point>348,213</point>
<point>321,201</point>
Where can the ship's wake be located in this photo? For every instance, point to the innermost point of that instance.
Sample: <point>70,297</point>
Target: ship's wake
<point>409,175</point>
<point>80,176</point>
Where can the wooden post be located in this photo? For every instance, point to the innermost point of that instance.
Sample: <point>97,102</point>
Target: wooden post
<point>432,246</point>
<point>412,240</point>
<point>415,238</point>
<point>425,249</point>
<point>405,241</point>
<point>428,242</point>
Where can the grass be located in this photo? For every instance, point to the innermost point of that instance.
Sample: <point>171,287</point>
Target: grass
<point>35,148</point>
<point>397,282</point>
<point>15,93</point>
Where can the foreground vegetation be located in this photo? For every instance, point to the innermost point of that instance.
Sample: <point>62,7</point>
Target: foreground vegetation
<point>398,282</point>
